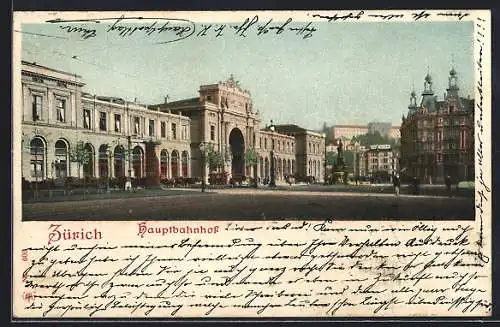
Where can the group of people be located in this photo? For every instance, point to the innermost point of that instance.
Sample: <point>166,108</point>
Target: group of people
<point>416,184</point>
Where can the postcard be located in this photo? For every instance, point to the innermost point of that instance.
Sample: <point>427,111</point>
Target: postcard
<point>251,164</point>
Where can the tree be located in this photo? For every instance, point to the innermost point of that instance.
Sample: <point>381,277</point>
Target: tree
<point>215,159</point>
<point>251,160</point>
<point>330,158</point>
<point>80,155</point>
<point>373,138</point>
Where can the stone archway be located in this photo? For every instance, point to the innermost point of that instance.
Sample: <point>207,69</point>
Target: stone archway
<point>237,144</point>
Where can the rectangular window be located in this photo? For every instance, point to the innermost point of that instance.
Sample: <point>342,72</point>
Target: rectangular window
<point>102,121</point>
<point>174,131</point>
<point>61,110</point>
<point>212,133</point>
<point>137,127</point>
<point>184,132</point>
<point>151,127</point>
<point>118,123</point>
<point>163,129</point>
<point>37,107</point>
<point>86,119</point>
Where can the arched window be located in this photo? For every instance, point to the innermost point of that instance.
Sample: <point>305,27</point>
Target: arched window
<point>164,163</point>
<point>61,159</point>
<point>103,161</point>
<point>137,161</point>
<point>175,164</point>
<point>88,167</point>
<point>119,161</point>
<point>37,158</point>
<point>184,164</point>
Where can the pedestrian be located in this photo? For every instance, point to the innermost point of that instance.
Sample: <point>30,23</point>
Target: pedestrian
<point>397,183</point>
<point>415,185</point>
<point>448,184</point>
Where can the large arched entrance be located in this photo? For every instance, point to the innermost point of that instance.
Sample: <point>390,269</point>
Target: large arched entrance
<point>237,144</point>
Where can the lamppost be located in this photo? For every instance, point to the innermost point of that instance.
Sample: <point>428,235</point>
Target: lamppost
<point>325,166</point>
<point>272,182</point>
<point>202,150</point>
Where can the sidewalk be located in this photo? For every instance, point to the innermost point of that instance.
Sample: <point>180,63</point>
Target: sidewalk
<point>114,194</point>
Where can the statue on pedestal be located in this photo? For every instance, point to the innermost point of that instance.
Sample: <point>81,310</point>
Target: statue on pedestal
<point>339,169</point>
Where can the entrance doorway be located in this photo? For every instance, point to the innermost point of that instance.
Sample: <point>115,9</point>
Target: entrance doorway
<point>237,144</point>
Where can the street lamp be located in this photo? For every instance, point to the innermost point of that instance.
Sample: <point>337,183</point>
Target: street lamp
<point>324,172</point>
<point>272,182</point>
<point>202,150</point>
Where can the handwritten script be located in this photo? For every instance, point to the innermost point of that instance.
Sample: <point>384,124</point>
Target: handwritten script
<point>262,269</point>
<point>171,29</point>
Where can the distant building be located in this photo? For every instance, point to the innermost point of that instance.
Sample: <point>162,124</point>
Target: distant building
<point>347,132</point>
<point>378,163</point>
<point>309,152</point>
<point>437,136</point>
<point>395,133</point>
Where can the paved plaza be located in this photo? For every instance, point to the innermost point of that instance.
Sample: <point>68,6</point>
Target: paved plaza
<point>263,203</point>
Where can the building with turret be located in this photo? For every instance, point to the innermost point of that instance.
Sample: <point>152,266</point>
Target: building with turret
<point>437,136</point>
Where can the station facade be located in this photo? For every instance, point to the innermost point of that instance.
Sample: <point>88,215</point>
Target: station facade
<point>126,139</point>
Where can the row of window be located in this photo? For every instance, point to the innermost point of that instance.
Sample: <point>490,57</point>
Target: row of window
<point>441,121</point>
<point>136,126</point>
<point>103,120</point>
<point>60,166</point>
<point>60,104</point>
<point>285,146</point>
<point>384,160</point>
<point>375,167</point>
<point>314,168</point>
<point>314,148</point>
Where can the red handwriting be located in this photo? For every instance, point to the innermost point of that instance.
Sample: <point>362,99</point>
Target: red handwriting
<point>28,296</point>
<point>57,233</point>
<point>145,229</point>
<point>24,255</point>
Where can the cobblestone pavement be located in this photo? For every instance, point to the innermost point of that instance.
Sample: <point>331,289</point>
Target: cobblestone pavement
<point>241,204</point>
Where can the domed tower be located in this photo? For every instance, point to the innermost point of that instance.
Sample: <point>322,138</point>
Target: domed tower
<point>428,84</point>
<point>453,82</point>
<point>412,108</point>
<point>452,96</point>
<point>428,98</point>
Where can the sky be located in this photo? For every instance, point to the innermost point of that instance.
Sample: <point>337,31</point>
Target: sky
<point>345,73</point>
